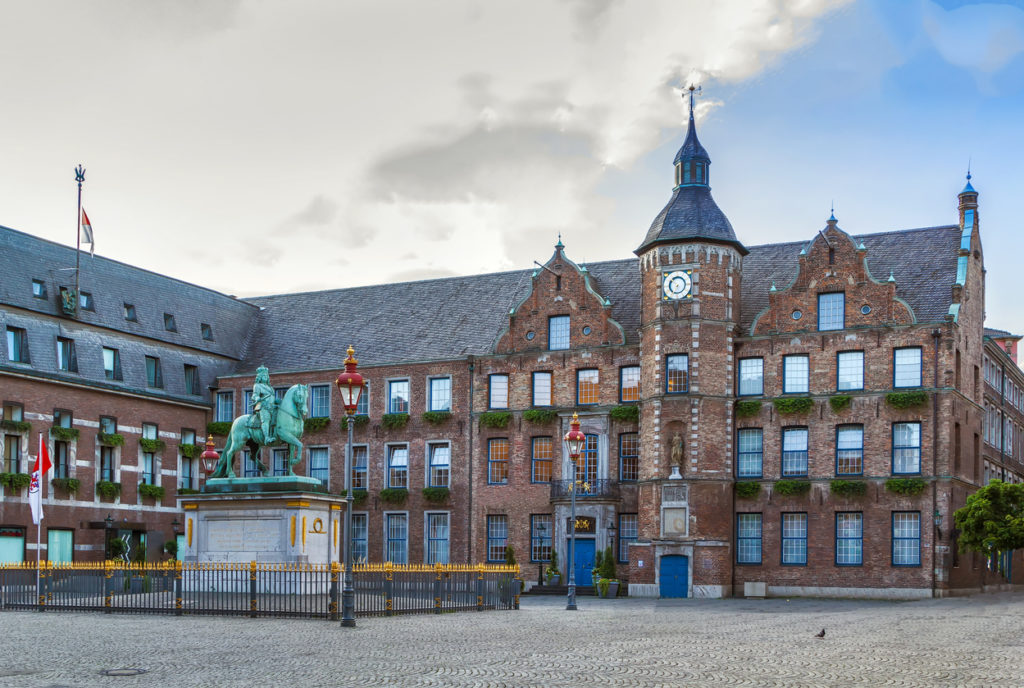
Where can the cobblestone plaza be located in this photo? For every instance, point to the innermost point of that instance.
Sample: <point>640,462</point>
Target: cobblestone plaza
<point>973,641</point>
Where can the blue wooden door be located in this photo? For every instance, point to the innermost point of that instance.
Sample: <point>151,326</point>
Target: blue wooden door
<point>584,562</point>
<point>675,570</point>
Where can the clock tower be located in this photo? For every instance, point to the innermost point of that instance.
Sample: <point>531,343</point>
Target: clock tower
<point>690,265</point>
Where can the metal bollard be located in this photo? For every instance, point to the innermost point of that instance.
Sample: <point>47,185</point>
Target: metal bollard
<point>253,604</point>
<point>108,587</point>
<point>437,588</point>
<point>389,593</point>
<point>480,588</point>
<point>332,609</point>
<point>178,593</point>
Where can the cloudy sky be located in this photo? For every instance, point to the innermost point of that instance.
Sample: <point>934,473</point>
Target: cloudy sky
<point>268,146</point>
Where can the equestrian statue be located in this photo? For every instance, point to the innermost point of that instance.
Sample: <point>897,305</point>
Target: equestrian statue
<point>271,422</point>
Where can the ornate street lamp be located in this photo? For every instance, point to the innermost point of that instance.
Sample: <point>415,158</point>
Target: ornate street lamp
<point>350,385</point>
<point>574,441</point>
<point>108,525</point>
<point>209,458</point>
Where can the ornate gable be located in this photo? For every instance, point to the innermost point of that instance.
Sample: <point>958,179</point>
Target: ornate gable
<point>560,288</point>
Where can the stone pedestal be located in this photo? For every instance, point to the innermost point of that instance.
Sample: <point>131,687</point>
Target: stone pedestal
<point>263,520</point>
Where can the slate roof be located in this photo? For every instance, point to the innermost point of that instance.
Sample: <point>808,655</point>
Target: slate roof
<point>923,263</point>
<point>691,213</point>
<point>993,333</point>
<point>454,317</point>
<point>438,319</point>
<point>691,147</point>
<point>24,258</point>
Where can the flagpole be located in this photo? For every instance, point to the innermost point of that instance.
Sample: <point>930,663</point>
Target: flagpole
<point>39,522</point>
<point>79,177</point>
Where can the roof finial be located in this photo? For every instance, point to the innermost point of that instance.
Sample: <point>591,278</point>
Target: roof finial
<point>692,89</point>
<point>559,245</point>
<point>832,212</point>
<point>968,169</point>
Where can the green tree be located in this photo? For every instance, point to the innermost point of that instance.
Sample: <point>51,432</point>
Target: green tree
<point>992,521</point>
<point>510,556</point>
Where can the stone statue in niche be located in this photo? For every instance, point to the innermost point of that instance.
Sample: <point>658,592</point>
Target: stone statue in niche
<point>677,457</point>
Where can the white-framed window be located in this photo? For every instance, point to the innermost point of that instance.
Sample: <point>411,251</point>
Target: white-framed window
<point>794,539</point>
<point>542,388</point>
<point>440,394</point>
<point>360,466</point>
<point>225,407</point>
<point>319,401</point>
<point>832,311</point>
<point>396,532</point>
<point>398,396</point>
<point>439,461</point>
<point>906,538</point>
<point>320,464</point>
<point>360,533</point>
<point>437,548</point>
<point>558,332</point>
<point>849,538</point>
<point>749,453</point>
<point>497,391</point>
<point>751,376</point>
<point>748,538</point>
<point>796,374</point>
<point>497,537</point>
<point>794,452</point>
<point>398,466</point>
<point>906,367</point>
<point>849,370</point>
<point>906,447</point>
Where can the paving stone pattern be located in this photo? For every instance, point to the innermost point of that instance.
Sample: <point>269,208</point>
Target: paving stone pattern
<point>951,642</point>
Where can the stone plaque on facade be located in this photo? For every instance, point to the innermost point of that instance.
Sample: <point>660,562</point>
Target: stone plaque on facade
<point>674,522</point>
<point>244,535</point>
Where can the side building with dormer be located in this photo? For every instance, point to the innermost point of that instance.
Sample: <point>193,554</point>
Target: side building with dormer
<point>780,419</point>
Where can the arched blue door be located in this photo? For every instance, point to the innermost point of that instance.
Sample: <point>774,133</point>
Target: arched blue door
<point>675,573</point>
<point>584,562</point>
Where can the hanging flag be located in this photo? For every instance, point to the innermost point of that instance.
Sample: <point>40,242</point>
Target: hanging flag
<point>35,488</point>
<point>87,233</point>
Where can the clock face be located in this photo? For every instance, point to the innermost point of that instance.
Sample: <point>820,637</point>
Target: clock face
<point>677,284</point>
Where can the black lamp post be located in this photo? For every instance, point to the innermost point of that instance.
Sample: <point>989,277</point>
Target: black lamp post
<point>574,441</point>
<point>350,385</point>
<point>108,524</point>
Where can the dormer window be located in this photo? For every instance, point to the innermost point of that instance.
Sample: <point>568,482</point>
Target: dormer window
<point>129,313</point>
<point>85,301</point>
<point>169,323</point>
<point>207,331</point>
<point>38,289</point>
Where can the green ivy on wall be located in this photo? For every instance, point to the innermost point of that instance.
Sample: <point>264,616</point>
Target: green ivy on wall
<point>746,409</point>
<point>628,413</point>
<point>315,424</point>
<point>358,420</point>
<point>790,405</point>
<point>107,489</point>
<point>840,402</point>
<point>792,488</point>
<point>218,428</point>
<point>151,491</point>
<point>15,481</point>
<point>394,421</point>
<point>111,439</point>
<point>189,451</point>
<point>905,400</point>
<point>393,495</point>
<point>748,490</point>
<point>848,488</point>
<point>495,419</point>
<point>69,485</point>
<point>435,495</point>
<point>436,417</point>
<point>15,425</point>
<point>906,486</point>
<point>152,446</point>
<point>64,434</point>
<point>540,416</point>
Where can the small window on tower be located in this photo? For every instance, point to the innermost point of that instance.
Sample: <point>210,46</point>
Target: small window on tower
<point>831,256</point>
<point>207,331</point>
<point>129,312</point>
<point>169,323</point>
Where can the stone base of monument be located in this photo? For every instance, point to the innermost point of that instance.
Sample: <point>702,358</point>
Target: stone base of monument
<point>266,520</point>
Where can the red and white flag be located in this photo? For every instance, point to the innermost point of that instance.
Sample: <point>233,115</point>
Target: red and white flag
<point>87,233</point>
<point>35,488</point>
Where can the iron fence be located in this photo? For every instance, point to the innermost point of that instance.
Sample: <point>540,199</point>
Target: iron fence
<point>255,589</point>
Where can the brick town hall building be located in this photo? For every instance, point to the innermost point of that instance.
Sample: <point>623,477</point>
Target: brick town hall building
<point>805,415</point>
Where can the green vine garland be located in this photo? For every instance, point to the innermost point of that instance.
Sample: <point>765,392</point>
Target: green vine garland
<point>393,495</point>
<point>151,491</point>
<point>63,434</point>
<point>540,416</point>
<point>435,495</point>
<point>905,400</point>
<point>152,446</point>
<point>69,485</point>
<point>358,496</point>
<point>436,417</point>
<point>906,486</point>
<point>790,405</point>
<point>187,491</point>
<point>315,424</point>
<point>495,419</point>
<point>746,409</point>
<point>16,481</point>
<point>218,428</point>
<point>16,425</point>
<point>848,488</point>
<point>111,439</point>
<point>107,489</point>
<point>394,421</point>
<point>748,490</point>
<point>792,488</point>
<point>840,402</point>
<point>189,451</point>
<point>358,420</point>
<point>629,413</point>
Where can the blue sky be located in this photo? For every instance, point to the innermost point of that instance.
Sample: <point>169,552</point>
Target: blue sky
<point>264,147</point>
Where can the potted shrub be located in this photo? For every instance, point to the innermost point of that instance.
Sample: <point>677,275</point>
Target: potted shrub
<point>551,573</point>
<point>595,573</point>
<point>608,572</point>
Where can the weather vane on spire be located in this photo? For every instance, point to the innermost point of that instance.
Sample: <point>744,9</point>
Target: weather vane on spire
<point>691,89</point>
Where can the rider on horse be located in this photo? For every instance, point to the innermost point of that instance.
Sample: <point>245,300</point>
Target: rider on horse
<point>264,404</point>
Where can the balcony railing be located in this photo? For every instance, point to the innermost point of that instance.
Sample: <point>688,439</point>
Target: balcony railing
<point>585,489</point>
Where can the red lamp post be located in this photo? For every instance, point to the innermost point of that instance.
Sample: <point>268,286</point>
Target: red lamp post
<point>209,458</point>
<point>574,443</point>
<point>350,384</point>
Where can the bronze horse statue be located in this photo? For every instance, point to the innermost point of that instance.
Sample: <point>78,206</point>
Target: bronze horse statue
<point>245,430</point>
